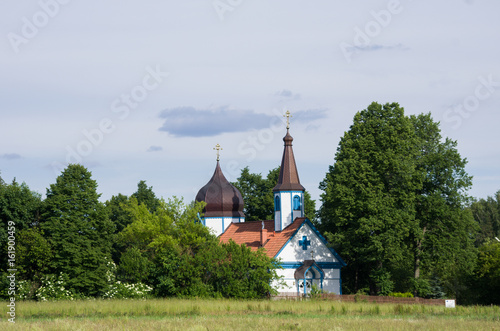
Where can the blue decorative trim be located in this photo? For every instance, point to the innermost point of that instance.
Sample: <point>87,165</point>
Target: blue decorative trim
<point>321,273</point>
<point>340,282</point>
<point>304,243</point>
<point>322,265</point>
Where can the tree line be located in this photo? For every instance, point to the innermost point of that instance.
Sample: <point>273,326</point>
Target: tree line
<point>394,206</point>
<point>70,245</point>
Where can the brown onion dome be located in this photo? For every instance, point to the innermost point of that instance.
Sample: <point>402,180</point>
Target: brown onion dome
<point>222,198</point>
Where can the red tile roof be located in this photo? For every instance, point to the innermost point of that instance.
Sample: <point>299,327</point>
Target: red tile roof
<point>248,233</point>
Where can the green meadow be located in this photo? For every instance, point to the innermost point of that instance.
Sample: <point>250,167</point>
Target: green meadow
<point>192,314</point>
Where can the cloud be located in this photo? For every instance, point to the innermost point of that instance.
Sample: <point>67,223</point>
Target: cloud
<point>309,115</point>
<point>377,47</point>
<point>288,94</point>
<point>155,149</point>
<point>10,156</point>
<point>191,122</point>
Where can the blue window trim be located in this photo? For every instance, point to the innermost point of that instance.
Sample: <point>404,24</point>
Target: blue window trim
<point>277,203</point>
<point>297,203</point>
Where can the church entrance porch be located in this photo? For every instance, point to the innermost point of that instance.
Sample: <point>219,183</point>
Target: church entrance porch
<point>308,276</point>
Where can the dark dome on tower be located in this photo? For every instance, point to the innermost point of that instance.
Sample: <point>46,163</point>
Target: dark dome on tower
<point>222,198</point>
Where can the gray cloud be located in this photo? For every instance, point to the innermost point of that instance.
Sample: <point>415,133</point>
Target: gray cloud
<point>309,115</point>
<point>287,94</point>
<point>10,156</point>
<point>191,122</point>
<point>155,149</point>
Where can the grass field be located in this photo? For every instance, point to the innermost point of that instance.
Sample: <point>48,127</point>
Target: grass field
<point>178,314</point>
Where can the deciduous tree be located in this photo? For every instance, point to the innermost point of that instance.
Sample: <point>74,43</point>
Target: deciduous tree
<point>369,196</point>
<point>397,193</point>
<point>79,230</point>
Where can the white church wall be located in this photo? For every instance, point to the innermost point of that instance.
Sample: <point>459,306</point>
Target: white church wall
<point>214,223</point>
<point>220,224</point>
<point>293,255</point>
<point>284,217</point>
<point>288,280</point>
<point>331,281</point>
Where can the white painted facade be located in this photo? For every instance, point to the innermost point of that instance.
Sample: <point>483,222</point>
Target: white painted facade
<point>219,224</point>
<point>285,210</point>
<point>293,255</point>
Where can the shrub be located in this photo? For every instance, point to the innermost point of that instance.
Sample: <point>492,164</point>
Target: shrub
<point>121,290</point>
<point>401,295</point>
<point>53,288</point>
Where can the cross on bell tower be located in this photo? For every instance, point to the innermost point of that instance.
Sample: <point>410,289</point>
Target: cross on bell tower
<point>287,115</point>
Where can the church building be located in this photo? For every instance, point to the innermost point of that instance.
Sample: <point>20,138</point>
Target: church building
<point>290,237</point>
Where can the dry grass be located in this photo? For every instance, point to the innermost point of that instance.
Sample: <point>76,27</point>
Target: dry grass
<point>178,314</point>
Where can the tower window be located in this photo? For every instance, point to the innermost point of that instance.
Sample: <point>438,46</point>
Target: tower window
<point>296,203</point>
<point>277,204</point>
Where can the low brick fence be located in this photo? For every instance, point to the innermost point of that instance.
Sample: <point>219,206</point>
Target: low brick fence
<point>365,298</point>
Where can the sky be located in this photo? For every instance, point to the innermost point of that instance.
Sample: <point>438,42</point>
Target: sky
<point>144,90</point>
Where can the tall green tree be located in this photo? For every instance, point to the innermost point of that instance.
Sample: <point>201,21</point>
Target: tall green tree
<point>486,281</point>
<point>34,253</point>
<point>117,213</point>
<point>145,195</point>
<point>395,204</point>
<point>116,208</point>
<point>369,196</point>
<point>20,205</point>
<point>79,230</point>
<point>443,230</point>
<point>258,195</point>
<point>486,213</point>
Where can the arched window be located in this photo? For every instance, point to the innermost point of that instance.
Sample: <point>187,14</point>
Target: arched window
<point>277,204</point>
<point>296,203</point>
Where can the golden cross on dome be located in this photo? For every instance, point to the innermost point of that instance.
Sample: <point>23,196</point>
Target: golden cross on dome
<point>287,115</point>
<point>218,148</point>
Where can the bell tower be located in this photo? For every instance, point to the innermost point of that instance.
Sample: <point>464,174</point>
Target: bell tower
<point>288,192</point>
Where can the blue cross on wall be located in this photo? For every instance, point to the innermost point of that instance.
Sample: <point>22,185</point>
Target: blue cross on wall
<point>304,243</point>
